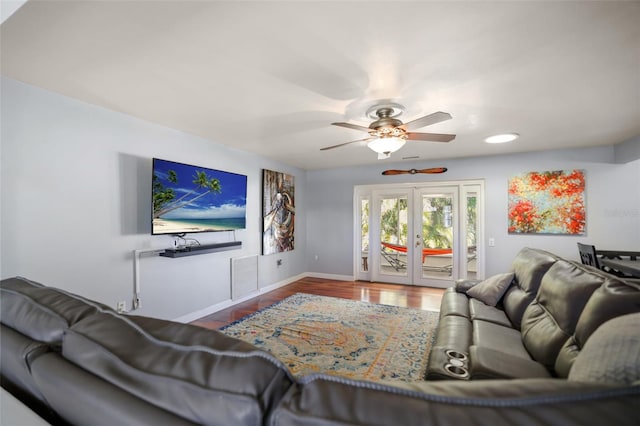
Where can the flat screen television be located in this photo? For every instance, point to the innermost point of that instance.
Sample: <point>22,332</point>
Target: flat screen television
<point>188,199</point>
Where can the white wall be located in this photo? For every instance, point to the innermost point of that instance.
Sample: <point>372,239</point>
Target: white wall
<point>75,203</point>
<point>612,197</point>
<point>9,7</point>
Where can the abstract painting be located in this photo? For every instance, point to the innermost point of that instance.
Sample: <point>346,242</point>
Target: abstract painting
<point>550,202</point>
<point>278,212</point>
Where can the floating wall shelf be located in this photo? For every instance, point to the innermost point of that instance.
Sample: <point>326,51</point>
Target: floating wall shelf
<point>201,249</point>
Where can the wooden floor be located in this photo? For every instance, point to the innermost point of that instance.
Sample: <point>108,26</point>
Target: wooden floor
<point>425,298</point>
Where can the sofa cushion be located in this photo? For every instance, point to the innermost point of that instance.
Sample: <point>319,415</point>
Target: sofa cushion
<point>41,313</point>
<point>491,290</point>
<point>529,266</point>
<point>488,363</point>
<point>551,319</point>
<point>597,363</point>
<point>482,312</point>
<point>199,374</point>
<point>504,339</point>
<point>612,299</point>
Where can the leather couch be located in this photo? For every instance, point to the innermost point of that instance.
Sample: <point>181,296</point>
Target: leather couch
<point>79,362</point>
<point>536,330</point>
<point>75,361</point>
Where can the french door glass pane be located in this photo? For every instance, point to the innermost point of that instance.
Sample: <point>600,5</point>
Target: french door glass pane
<point>393,235</point>
<point>364,234</point>
<point>437,236</point>
<point>471,227</point>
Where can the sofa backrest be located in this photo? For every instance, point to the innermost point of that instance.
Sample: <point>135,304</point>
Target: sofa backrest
<point>613,299</point>
<point>321,400</point>
<point>551,318</point>
<point>41,313</point>
<point>612,354</point>
<point>529,266</point>
<point>201,375</point>
<point>34,319</point>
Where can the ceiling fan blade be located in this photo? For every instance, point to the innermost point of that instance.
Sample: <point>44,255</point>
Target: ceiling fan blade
<point>351,126</point>
<point>433,170</point>
<point>431,137</point>
<point>427,120</point>
<point>345,143</point>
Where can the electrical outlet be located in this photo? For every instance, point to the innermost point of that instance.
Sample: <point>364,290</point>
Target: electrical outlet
<point>492,242</point>
<point>121,306</point>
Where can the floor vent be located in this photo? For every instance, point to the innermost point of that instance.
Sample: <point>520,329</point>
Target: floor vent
<point>244,276</point>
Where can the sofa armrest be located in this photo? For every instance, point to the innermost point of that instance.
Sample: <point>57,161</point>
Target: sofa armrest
<point>17,352</point>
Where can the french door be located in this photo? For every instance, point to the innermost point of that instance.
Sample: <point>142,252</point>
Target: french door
<point>425,235</point>
<point>390,236</point>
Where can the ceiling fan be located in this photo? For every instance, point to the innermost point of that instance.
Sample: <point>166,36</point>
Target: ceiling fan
<point>387,134</point>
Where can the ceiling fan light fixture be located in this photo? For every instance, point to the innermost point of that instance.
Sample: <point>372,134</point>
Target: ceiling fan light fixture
<point>502,138</point>
<point>386,145</point>
<point>389,132</point>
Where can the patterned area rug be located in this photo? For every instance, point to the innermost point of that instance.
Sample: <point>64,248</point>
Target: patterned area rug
<point>359,340</point>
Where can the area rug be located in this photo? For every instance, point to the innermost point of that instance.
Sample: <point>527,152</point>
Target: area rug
<point>359,340</point>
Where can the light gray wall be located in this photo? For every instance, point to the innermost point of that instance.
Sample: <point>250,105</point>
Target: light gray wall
<point>9,7</point>
<point>75,203</point>
<point>612,198</point>
<point>628,151</point>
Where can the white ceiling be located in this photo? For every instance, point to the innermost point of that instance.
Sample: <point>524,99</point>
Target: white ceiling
<point>269,77</point>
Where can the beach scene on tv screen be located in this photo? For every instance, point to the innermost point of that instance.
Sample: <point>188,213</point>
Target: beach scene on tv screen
<point>189,199</point>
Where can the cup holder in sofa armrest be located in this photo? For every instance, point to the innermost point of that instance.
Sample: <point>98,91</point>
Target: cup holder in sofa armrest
<point>456,364</point>
<point>447,364</point>
<point>457,371</point>
<point>452,354</point>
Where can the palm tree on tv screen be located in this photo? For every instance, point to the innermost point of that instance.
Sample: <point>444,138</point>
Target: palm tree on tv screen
<point>163,197</point>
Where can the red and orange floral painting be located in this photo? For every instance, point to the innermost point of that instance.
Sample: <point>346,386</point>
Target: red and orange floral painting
<point>547,203</point>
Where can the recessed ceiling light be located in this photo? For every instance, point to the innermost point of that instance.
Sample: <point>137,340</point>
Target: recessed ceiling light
<point>502,138</point>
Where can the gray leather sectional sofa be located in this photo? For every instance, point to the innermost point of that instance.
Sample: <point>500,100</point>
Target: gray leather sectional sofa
<point>75,361</point>
<point>538,328</point>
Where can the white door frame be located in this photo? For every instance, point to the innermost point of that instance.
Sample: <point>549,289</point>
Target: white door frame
<point>372,258</point>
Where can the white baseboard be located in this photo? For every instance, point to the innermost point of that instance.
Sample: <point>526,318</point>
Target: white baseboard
<point>230,302</point>
<point>330,276</point>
